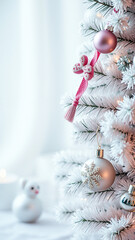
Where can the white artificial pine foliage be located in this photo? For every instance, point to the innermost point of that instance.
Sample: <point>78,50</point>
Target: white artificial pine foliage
<point>85,130</point>
<point>119,21</point>
<point>112,127</point>
<point>121,150</point>
<point>108,125</point>
<point>96,102</point>
<point>95,217</point>
<point>107,106</point>
<point>121,186</point>
<point>131,173</point>
<point>129,77</point>
<point>123,63</point>
<point>67,208</point>
<point>68,159</point>
<point>126,110</point>
<point>122,5</point>
<point>91,25</point>
<point>74,183</point>
<point>119,228</point>
<point>119,133</point>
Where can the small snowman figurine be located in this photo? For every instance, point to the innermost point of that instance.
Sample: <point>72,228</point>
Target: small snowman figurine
<point>27,207</point>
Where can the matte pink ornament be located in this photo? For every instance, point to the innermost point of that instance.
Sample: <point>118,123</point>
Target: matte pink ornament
<point>105,41</point>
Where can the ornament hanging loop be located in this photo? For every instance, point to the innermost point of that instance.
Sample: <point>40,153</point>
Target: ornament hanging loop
<point>98,141</point>
<point>100,152</point>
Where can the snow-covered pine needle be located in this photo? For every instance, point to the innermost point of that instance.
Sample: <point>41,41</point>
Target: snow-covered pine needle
<point>129,77</point>
<point>122,5</point>
<point>122,150</point>
<point>126,110</point>
<point>85,130</point>
<point>119,228</point>
<point>119,21</point>
<point>112,127</point>
<point>94,217</point>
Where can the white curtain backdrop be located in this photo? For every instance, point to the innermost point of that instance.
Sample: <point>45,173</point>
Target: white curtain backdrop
<point>38,46</point>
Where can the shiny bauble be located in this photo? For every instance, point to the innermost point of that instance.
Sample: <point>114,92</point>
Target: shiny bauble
<point>105,41</point>
<point>127,200</point>
<point>98,173</point>
<point>26,206</point>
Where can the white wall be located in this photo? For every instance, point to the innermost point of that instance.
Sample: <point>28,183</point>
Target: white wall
<point>38,46</point>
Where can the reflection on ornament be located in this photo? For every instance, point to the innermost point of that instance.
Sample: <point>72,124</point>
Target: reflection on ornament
<point>98,173</point>
<point>105,41</point>
<point>127,200</point>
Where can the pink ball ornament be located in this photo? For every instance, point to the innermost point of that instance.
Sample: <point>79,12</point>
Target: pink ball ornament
<point>105,41</point>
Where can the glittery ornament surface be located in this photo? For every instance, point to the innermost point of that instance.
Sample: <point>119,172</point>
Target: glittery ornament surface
<point>98,173</point>
<point>91,175</point>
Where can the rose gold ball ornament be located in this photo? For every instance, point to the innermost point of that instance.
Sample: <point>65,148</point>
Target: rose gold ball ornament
<point>98,173</point>
<point>127,200</point>
<point>105,41</point>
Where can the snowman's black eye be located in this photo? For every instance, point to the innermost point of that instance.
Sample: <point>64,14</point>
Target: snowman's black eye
<point>38,187</point>
<point>32,188</point>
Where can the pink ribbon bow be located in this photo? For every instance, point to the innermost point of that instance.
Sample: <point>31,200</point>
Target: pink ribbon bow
<point>87,69</point>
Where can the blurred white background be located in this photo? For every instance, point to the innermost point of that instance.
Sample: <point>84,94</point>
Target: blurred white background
<point>38,47</point>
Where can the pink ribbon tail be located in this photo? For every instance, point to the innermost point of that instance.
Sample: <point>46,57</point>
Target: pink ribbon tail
<point>83,86</point>
<point>95,58</point>
<point>70,113</point>
<point>72,109</point>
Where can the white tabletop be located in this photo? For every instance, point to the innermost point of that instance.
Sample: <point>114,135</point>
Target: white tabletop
<point>46,228</point>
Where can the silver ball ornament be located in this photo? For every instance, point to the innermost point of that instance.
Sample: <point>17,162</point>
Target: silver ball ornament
<point>98,173</point>
<point>127,200</point>
<point>105,41</point>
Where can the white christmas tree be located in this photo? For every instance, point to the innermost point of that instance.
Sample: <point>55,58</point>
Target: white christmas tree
<point>106,109</point>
